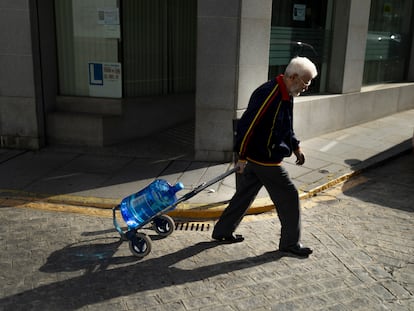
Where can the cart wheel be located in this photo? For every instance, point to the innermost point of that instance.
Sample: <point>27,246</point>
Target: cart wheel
<point>140,245</point>
<point>163,225</point>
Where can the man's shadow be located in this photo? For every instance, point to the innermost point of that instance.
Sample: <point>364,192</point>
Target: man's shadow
<point>99,283</point>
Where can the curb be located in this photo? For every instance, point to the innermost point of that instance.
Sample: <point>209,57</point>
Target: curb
<point>102,207</point>
<point>259,206</point>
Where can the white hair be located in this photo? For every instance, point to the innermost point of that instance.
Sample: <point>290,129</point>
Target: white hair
<point>301,66</point>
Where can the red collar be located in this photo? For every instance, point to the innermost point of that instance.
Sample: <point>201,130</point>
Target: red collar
<point>283,89</point>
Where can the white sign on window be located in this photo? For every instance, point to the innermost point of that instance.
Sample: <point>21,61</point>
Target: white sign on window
<point>108,16</point>
<point>105,79</point>
<point>92,21</point>
<point>299,12</point>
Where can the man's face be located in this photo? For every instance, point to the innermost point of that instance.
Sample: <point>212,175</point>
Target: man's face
<point>299,84</point>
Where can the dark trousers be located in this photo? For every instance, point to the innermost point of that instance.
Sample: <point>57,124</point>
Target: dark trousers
<point>281,190</point>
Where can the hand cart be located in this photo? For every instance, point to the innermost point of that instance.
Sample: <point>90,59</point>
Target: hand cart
<point>139,243</point>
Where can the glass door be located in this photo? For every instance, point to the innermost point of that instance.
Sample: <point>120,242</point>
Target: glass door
<point>388,41</point>
<point>88,35</point>
<point>301,28</point>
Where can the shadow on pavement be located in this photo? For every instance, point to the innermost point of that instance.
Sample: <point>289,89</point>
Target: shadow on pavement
<point>85,256</point>
<point>99,284</point>
<point>60,170</point>
<point>390,184</point>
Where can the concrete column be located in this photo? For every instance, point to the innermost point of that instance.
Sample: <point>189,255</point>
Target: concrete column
<point>254,48</point>
<point>18,112</point>
<point>232,59</point>
<point>351,19</point>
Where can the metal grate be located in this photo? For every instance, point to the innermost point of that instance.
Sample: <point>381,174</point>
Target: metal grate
<point>187,226</point>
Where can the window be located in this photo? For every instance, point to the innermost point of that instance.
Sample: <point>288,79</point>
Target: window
<point>388,41</point>
<point>126,48</point>
<point>86,31</point>
<point>159,47</point>
<point>301,28</point>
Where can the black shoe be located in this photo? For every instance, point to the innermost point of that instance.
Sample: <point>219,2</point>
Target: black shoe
<point>229,239</point>
<point>297,250</point>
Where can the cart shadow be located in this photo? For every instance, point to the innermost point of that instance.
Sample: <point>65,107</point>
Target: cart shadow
<point>85,256</point>
<point>90,257</point>
<point>99,284</point>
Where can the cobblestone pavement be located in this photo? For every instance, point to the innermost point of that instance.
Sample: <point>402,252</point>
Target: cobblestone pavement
<point>362,233</point>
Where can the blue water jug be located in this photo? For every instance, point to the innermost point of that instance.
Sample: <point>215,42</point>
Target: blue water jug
<point>138,208</point>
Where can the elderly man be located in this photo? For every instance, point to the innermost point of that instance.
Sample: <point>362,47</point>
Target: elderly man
<point>264,137</point>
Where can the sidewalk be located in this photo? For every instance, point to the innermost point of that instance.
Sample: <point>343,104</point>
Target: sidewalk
<point>90,180</point>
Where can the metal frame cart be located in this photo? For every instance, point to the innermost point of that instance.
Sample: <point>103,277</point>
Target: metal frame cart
<point>139,243</point>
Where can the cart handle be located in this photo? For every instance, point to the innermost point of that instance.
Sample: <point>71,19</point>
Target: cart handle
<point>204,185</point>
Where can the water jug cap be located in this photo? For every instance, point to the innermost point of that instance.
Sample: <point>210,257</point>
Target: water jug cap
<point>178,186</point>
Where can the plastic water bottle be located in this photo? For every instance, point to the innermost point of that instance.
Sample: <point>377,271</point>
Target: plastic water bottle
<point>140,207</point>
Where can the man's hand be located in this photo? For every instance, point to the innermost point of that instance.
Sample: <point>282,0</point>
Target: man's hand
<point>300,157</point>
<point>241,164</point>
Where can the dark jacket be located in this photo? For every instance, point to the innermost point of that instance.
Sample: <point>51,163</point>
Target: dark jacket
<point>265,131</point>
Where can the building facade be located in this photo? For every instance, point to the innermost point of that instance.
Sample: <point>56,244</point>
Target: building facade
<point>100,72</point>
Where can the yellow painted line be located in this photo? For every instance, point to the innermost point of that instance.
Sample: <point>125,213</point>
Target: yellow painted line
<point>214,211</point>
<point>65,199</point>
<point>64,208</point>
<point>57,203</point>
<point>102,207</point>
<point>329,184</point>
<point>12,202</point>
<point>50,207</point>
